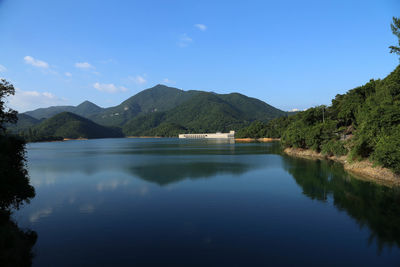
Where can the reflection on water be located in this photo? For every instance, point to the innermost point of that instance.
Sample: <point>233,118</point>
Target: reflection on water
<point>166,173</point>
<point>15,243</point>
<point>372,206</point>
<point>190,202</point>
<point>159,162</point>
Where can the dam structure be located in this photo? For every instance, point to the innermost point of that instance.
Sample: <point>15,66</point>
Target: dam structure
<point>217,135</point>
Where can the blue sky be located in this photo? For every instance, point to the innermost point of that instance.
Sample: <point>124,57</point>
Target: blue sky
<point>290,54</point>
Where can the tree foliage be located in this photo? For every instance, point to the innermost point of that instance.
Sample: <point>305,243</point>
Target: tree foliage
<point>368,117</point>
<point>14,180</point>
<point>396,31</point>
<point>15,244</point>
<point>363,123</point>
<point>272,129</point>
<point>7,115</point>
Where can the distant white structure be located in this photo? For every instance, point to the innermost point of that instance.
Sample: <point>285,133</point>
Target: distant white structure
<point>217,135</point>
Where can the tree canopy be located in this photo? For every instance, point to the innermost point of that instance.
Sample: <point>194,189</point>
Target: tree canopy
<point>7,115</point>
<point>395,25</point>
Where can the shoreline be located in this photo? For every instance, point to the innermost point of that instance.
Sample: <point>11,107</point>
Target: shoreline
<point>143,137</point>
<point>263,140</point>
<point>363,170</point>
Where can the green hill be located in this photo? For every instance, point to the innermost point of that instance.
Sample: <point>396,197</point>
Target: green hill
<point>203,112</point>
<point>69,125</point>
<point>364,123</point>
<point>45,113</point>
<point>24,122</point>
<point>85,109</point>
<point>167,111</point>
<point>155,99</point>
<point>253,108</point>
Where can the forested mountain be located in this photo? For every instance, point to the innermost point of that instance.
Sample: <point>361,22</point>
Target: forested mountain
<point>205,112</point>
<point>45,113</point>
<point>85,109</point>
<point>157,98</point>
<point>24,122</point>
<point>363,123</point>
<point>167,111</point>
<point>69,125</point>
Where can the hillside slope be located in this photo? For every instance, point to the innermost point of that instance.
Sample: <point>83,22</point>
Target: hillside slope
<point>69,125</point>
<point>204,112</point>
<point>45,113</point>
<point>183,110</point>
<point>364,123</point>
<point>155,99</point>
<point>85,109</point>
<point>24,122</point>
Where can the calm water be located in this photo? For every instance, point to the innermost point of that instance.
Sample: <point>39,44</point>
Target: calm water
<point>173,202</point>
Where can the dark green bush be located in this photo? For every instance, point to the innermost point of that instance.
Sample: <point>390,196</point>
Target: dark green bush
<point>334,148</point>
<point>387,151</point>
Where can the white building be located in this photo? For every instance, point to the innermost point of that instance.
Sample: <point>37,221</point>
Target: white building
<point>216,135</point>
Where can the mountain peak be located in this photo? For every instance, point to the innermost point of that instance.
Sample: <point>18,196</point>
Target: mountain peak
<point>161,87</point>
<point>86,103</point>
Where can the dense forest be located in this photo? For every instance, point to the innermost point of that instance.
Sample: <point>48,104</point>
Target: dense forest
<point>363,123</point>
<point>15,243</point>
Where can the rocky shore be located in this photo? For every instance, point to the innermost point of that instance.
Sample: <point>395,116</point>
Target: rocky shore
<point>364,170</point>
<point>249,140</point>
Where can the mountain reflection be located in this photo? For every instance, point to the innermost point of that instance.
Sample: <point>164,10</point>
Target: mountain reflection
<point>164,174</point>
<point>193,147</point>
<point>15,244</point>
<point>371,205</point>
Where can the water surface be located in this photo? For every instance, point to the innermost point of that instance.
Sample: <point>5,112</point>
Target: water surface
<point>190,202</point>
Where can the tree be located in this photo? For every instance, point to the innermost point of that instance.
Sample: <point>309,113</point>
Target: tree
<point>396,31</point>
<point>15,244</point>
<point>7,115</point>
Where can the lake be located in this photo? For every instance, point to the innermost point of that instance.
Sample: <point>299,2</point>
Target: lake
<point>158,202</point>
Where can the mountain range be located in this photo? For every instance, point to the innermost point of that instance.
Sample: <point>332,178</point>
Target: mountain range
<point>157,111</point>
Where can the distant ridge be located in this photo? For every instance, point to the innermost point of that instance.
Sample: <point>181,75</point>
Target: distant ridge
<point>166,111</point>
<point>84,109</point>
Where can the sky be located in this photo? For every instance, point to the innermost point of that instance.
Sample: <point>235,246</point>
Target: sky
<point>290,54</point>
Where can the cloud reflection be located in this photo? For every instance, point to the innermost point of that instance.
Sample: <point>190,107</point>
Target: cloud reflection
<point>40,214</point>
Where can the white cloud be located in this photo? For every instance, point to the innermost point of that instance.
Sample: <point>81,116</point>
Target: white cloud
<point>138,79</point>
<point>2,68</point>
<point>295,109</point>
<point>68,74</point>
<point>109,87</point>
<point>36,62</point>
<point>83,65</point>
<point>28,100</point>
<point>201,27</point>
<point>168,81</point>
<point>184,40</point>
